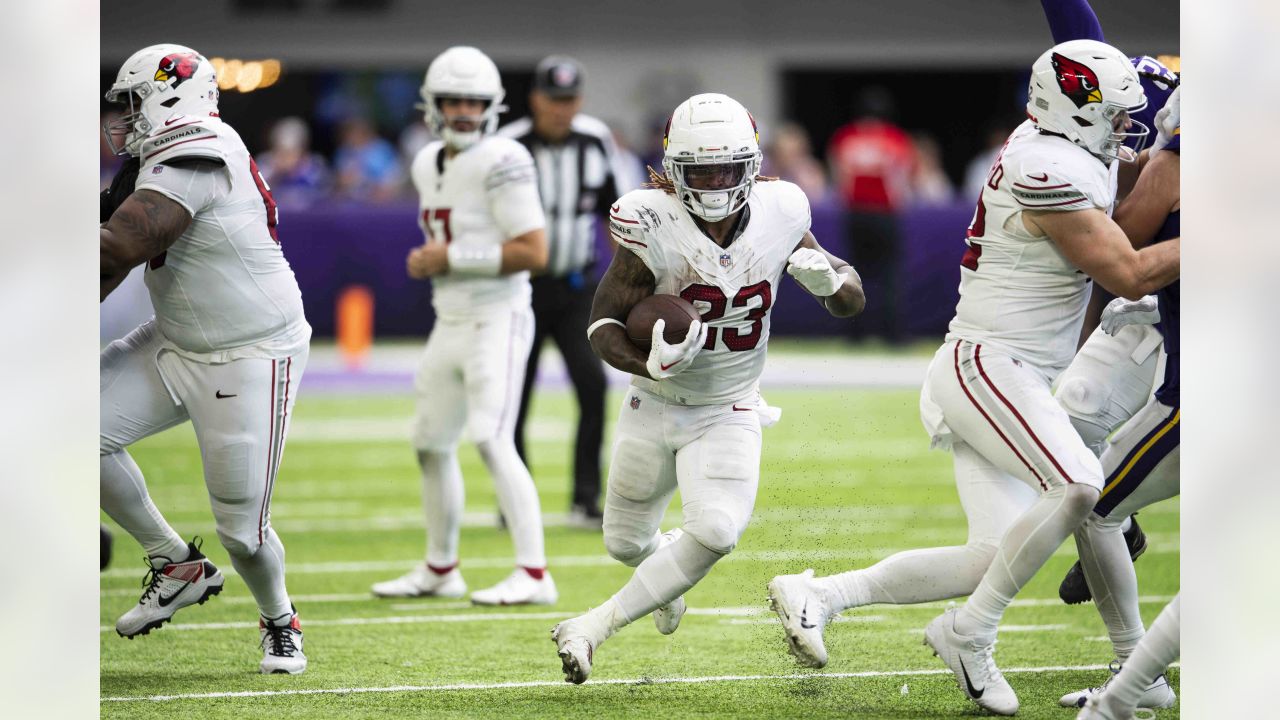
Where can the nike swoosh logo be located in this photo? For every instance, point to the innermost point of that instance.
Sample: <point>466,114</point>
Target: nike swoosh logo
<point>746,409</point>
<point>1044,177</point>
<point>973,692</point>
<point>166,601</point>
<point>218,394</point>
<point>616,208</point>
<point>667,367</point>
<point>804,612</point>
<point>171,121</point>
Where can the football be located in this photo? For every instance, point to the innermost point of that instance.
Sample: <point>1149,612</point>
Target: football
<point>678,312</point>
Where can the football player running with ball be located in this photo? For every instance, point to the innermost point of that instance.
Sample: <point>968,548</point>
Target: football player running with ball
<point>712,234</point>
<point>1025,477</point>
<point>226,349</point>
<point>484,227</point>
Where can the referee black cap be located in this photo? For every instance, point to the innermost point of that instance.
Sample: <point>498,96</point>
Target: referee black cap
<point>558,76</point>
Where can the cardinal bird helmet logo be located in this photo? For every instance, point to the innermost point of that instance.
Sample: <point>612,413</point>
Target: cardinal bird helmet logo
<point>178,67</point>
<point>1076,81</point>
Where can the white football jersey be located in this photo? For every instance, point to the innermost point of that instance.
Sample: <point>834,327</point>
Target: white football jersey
<point>1017,290</point>
<point>484,195</point>
<point>734,288</point>
<point>223,290</point>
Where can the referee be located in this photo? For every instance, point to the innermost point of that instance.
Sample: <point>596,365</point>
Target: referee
<point>577,179</point>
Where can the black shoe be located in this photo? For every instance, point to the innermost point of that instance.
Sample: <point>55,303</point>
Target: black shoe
<point>1075,589</point>
<point>586,517</point>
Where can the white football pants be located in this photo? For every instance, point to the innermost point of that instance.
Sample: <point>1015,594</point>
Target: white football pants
<point>240,413</point>
<point>1109,380</point>
<point>469,380</point>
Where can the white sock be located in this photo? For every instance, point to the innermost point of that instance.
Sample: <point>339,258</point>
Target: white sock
<point>263,572</point>
<point>124,497</point>
<point>1152,657</point>
<point>442,501</point>
<point>1105,560</point>
<point>518,500</point>
<point>663,576</point>
<point>1025,548</point>
<point>912,576</point>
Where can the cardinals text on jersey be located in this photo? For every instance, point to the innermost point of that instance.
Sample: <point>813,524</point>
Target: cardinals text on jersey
<point>732,287</point>
<point>1017,291</point>
<point>485,195</point>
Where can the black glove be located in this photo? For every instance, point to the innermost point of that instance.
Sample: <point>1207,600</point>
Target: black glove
<point>121,188</point>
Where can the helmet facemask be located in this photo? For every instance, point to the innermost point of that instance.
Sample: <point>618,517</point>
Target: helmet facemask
<point>1127,136</point>
<point>713,186</point>
<point>485,123</point>
<point>126,133</point>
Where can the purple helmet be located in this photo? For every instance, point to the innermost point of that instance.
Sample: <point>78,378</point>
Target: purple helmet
<point>1158,82</point>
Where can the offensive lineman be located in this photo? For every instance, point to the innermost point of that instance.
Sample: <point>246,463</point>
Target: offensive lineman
<point>485,230</point>
<point>711,234</point>
<point>1040,231</point>
<point>226,350</point>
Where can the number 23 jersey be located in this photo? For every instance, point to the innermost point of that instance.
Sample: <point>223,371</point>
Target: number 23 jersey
<point>733,288</point>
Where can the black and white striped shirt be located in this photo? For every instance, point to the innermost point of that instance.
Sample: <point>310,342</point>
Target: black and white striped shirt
<point>577,180</point>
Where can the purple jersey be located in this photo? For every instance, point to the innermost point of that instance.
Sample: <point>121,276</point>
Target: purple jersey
<point>1168,297</point>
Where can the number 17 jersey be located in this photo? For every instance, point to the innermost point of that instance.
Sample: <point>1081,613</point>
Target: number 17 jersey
<point>733,288</point>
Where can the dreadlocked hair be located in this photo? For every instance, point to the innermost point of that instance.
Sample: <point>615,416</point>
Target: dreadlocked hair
<point>659,181</point>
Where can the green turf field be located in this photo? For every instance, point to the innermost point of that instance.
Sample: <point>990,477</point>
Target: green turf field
<point>846,479</point>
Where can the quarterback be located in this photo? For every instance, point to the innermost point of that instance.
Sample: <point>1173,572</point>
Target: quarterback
<point>710,233</point>
<point>226,349</point>
<point>485,230</point>
<point>1025,477</point>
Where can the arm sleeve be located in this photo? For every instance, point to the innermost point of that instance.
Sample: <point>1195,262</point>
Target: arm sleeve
<point>1072,20</point>
<point>194,186</point>
<point>512,187</point>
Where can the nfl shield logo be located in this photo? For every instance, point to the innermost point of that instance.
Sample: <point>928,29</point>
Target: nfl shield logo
<point>635,402</point>
<point>725,260</point>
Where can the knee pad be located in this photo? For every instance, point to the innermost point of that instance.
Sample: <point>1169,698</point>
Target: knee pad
<point>626,550</point>
<point>241,543</point>
<point>1079,499</point>
<point>1084,399</point>
<point>715,529</point>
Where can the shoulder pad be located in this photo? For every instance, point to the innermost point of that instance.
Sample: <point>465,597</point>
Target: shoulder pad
<point>507,161</point>
<point>1057,176</point>
<point>790,201</point>
<point>185,137</point>
<point>628,220</point>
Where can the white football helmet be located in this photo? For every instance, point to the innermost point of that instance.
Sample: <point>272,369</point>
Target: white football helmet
<point>709,133</point>
<point>155,84</point>
<point>1087,91</point>
<point>462,72</point>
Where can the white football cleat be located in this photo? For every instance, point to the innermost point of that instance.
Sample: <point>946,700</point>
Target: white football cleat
<point>804,612</point>
<point>519,588</point>
<point>1095,710</point>
<point>667,618</point>
<point>422,581</point>
<point>170,586</point>
<point>973,662</point>
<point>1157,695</point>
<point>281,641</point>
<point>576,643</point>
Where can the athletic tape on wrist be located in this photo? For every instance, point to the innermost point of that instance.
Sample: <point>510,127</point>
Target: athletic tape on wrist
<point>485,261</point>
<point>604,321</point>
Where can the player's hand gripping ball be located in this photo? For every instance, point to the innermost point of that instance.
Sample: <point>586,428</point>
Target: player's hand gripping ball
<point>678,313</point>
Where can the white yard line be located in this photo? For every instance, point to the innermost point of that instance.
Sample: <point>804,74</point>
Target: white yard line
<point>611,681</point>
<point>1157,545</point>
<point>730,612</point>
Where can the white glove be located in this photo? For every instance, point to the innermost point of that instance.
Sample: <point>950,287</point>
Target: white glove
<point>1168,120</point>
<point>666,359</point>
<point>811,269</point>
<point>1120,312</point>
